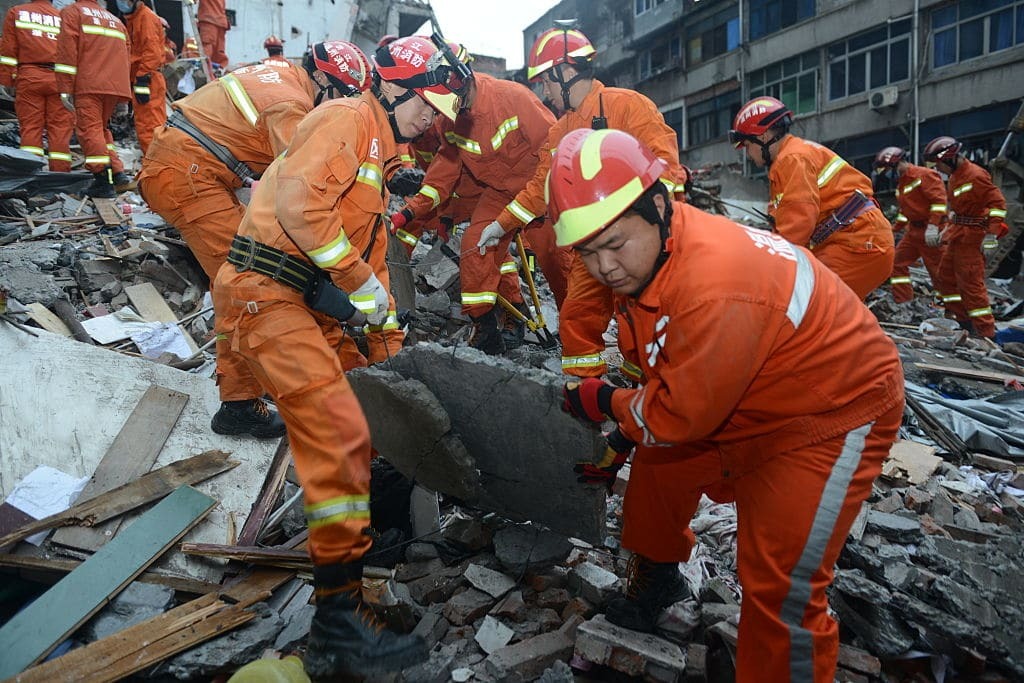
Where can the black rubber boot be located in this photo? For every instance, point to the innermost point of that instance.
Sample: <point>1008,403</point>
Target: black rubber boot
<point>102,187</point>
<point>486,335</point>
<point>652,586</point>
<point>345,641</point>
<point>248,417</point>
<point>513,330</point>
<point>123,182</point>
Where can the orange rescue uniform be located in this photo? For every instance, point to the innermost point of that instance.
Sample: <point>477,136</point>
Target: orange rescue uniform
<point>28,48</point>
<point>583,316</point>
<point>808,182</point>
<point>148,56</point>
<point>495,141</point>
<point>212,18</point>
<point>921,196</point>
<point>92,63</point>
<point>977,207</point>
<point>322,201</point>
<point>770,384</point>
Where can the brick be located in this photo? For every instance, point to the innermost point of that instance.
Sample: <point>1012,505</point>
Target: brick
<point>632,653</point>
<point>489,581</point>
<point>511,607</point>
<point>553,598</point>
<point>592,582</point>
<point>467,607</point>
<point>527,660</point>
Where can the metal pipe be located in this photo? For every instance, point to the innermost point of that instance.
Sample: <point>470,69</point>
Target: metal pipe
<point>914,59</point>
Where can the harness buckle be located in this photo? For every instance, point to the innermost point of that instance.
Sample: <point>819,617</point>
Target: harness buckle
<point>248,256</point>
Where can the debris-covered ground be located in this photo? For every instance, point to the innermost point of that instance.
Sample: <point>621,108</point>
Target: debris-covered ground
<point>928,587</point>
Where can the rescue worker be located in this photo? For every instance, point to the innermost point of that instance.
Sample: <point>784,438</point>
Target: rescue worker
<point>146,34</point>
<point>28,50</point>
<point>977,216</point>
<point>499,130</point>
<point>275,52</point>
<point>561,60</point>
<point>217,140</point>
<point>92,67</point>
<point>792,424</point>
<point>314,204</point>
<point>818,200</point>
<point>190,50</point>
<point>921,196</point>
<point>213,24</point>
<point>170,49</point>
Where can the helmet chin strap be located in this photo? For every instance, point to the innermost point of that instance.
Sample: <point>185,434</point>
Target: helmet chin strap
<point>766,151</point>
<point>389,107</point>
<point>565,85</point>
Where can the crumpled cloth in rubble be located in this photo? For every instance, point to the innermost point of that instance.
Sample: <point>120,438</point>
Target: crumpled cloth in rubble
<point>994,425</point>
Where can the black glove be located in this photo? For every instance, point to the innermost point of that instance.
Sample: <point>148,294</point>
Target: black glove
<point>141,88</point>
<point>605,471</point>
<point>405,182</point>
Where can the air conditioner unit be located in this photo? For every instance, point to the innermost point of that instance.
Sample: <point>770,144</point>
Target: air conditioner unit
<point>884,97</point>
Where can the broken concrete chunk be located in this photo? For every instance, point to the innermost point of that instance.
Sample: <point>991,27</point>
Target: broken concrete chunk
<point>492,635</point>
<point>231,650</point>
<point>468,606</point>
<point>467,531</point>
<point>512,607</point>
<point>432,627</point>
<point>526,660</point>
<point>520,547</point>
<point>436,669</point>
<point>296,629</point>
<point>135,604</point>
<point>894,527</point>
<point>592,582</point>
<point>632,653</point>
<point>489,581</point>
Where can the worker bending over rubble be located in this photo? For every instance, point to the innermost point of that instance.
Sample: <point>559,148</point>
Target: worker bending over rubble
<point>817,199</point>
<point>218,139</point>
<point>299,267</point>
<point>767,383</point>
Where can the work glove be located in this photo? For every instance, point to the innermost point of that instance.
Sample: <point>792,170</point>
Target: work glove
<point>990,242</point>
<point>405,181</point>
<point>589,400</point>
<point>372,300</point>
<point>68,101</point>
<point>490,237</point>
<point>400,219</point>
<point>932,236</point>
<point>141,88</point>
<point>604,471</point>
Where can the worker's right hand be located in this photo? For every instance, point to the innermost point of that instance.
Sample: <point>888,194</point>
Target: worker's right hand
<point>932,236</point>
<point>141,89</point>
<point>589,400</point>
<point>68,101</point>
<point>616,453</point>
<point>490,237</point>
<point>372,300</point>
<point>400,219</point>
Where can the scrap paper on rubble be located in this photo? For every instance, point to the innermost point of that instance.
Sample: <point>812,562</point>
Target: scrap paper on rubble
<point>114,327</point>
<point>45,491</point>
<point>154,339</point>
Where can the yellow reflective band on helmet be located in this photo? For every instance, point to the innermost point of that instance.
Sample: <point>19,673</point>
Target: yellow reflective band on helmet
<point>508,267</point>
<point>338,509</point>
<point>103,31</point>
<point>370,174</point>
<point>431,193</point>
<point>575,225</point>
<point>8,61</point>
<point>902,280</point>
<point>506,127</point>
<point>966,187</point>
<point>65,69</point>
<point>520,212</point>
<point>406,237</point>
<point>590,154</point>
<point>590,360</point>
<point>471,146</point>
<point>39,151</point>
<point>236,91</point>
<point>997,213</point>
<point>332,252</point>
<point>390,323</point>
<point>470,298</point>
<point>831,168</point>
<point>98,160</point>
<point>900,218</point>
<point>60,156</point>
<point>909,186</point>
<point>937,208</point>
<point>632,371</point>
<point>447,103</point>
<point>978,312</point>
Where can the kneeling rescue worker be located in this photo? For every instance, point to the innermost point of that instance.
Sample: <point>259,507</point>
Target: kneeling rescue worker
<point>296,270</point>
<point>792,423</point>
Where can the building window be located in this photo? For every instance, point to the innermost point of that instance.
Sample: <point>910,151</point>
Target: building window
<point>711,118</point>
<point>793,80</point>
<point>974,28</point>
<point>869,60</point>
<point>769,16</point>
<point>674,119</point>
<point>666,56</point>
<point>641,6</point>
<point>713,36</point>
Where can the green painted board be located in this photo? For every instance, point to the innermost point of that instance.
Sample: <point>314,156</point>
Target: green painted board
<point>32,633</point>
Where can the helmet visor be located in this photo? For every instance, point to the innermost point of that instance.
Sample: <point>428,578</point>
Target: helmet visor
<point>737,138</point>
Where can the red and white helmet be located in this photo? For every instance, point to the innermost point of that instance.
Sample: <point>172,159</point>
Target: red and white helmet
<point>415,63</point>
<point>943,148</point>
<point>756,117</point>
<point>460,52</point>
<point>889,157</point>
<point>344,64</point>
<point>386,39</point>
<point>273,41</point>
<point>558,46</point>
<point>595,176</point>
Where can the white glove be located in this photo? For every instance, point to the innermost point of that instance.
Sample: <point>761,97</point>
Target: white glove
<point>490,237</point>
<point>990,242</point>
<point>932,236</point>
<point>68,101</point>
<point>372,300</point>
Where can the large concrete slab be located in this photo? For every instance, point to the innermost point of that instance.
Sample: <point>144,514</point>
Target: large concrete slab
<point>63,402</point>
<point>509,417</point>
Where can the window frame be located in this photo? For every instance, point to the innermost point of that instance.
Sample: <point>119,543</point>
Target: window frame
<point>768,87</point>
<point>954,27</point>
<point>862,58</point>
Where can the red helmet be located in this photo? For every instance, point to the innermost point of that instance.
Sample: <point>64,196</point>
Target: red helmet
<point>344,64</point>
<point>558,46</point>
<point>756,117</point>
<point>943,148</point>
<point>386,39</point>
<point>460,52</point>
<point>889,157</point>
<point>596,175</point>
<point>415,63</point>
<point>273,41</point>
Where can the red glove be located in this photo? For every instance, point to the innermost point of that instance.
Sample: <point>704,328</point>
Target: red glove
<point>589,400</point>
<point>605,471</point>
<point>400,219</point>
<point>1001,231</point>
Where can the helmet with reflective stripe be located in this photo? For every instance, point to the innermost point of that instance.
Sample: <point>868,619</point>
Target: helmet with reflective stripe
<point>596,175</point>
<point>386,39</point>
<point>943,148</point>
<point>272,41</point>
<point>558,46</point>
<point>889,157</point>
<point>758,116</point>
<point>415,63</point>
<point>344,64</point>
<point>460,52</point>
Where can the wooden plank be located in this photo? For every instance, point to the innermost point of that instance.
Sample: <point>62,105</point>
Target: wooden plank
<point>33,633</point>
<point>273,484</point>
<point>11,518</point>
<point>273,557</point>
<point>910,461</point>
<point>51,570</point>
<point>109,211</point>
<point>153,486</point>
<point>970,373</point>
<point>132,454</point>
<point>151,305</point>
<point>261,580</point>
<point>47,320</point>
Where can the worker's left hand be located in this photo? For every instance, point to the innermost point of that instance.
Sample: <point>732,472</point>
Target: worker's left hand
<point>990,242</point>
<point>589,400</point>
<point>372,300</point>
<point>141,89</point>
<point>399,219</point>
<point>68,101</point>
<point>490,237</point>
<point>616,453</point>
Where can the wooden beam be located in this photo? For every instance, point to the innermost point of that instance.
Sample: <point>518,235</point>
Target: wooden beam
<point>273,484</point>
<point>45,318</point>
<point>151,305</point>
<point>273,557</point>
<point>970,373</point>
<point>32,634</point>
<point>132,454</point>
<point>51,570</point>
